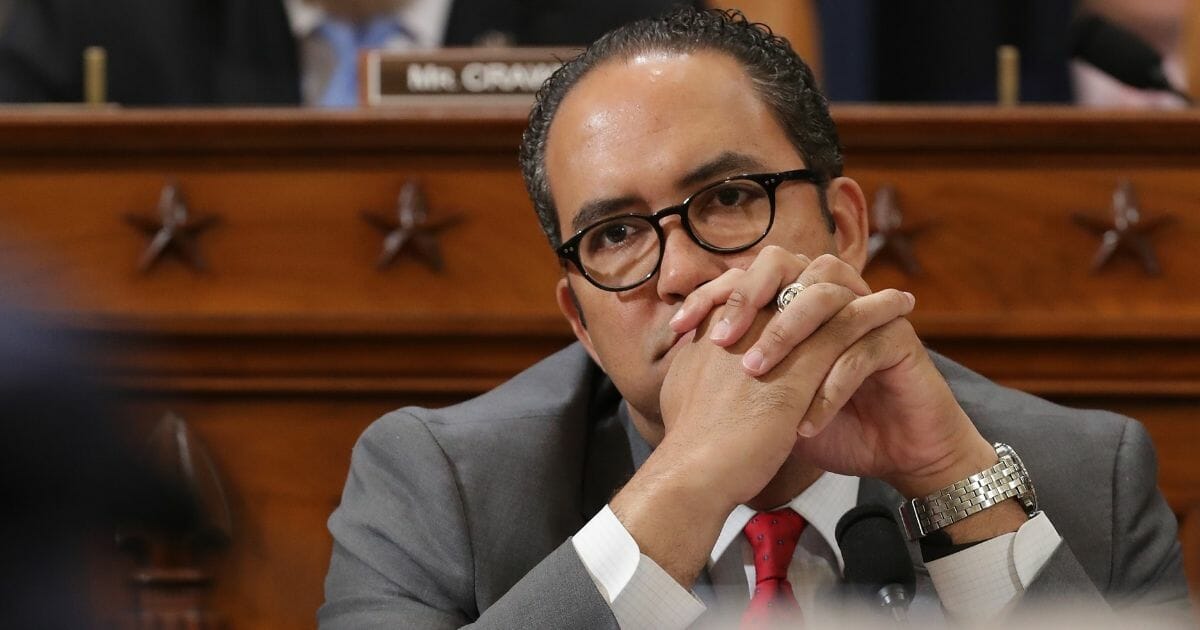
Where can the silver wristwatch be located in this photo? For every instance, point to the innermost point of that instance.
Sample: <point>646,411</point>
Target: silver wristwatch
<point>1007,479</point>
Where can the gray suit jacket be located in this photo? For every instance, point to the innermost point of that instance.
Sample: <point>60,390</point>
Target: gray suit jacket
<point>462,515</point>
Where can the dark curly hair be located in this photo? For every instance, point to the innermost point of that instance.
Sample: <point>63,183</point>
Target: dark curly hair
<point>783,80</point>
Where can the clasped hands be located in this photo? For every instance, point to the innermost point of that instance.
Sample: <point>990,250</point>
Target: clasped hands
<point>838,380</point>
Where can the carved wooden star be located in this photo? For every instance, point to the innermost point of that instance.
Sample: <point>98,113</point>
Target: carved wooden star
<point>1127,231</point>
<point>411,230</point>
<point>174,232</point>
<point>887,234</point>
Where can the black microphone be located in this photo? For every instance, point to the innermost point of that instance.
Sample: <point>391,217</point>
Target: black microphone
<point>878,567</point>
<point>1120,54</point>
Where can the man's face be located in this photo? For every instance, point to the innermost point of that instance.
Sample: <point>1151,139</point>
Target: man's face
<point>644,134</point>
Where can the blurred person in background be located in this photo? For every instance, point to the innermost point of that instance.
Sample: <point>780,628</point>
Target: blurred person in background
<point>57,466</point>
<point>71,474</point>
<point>1160,24</point>
<point>941,50</point>
<point>230,52</point>
<point>945,51</point>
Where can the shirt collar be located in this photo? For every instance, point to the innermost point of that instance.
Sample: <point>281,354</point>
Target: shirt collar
<point>822,504</point>
<point>424,19</point>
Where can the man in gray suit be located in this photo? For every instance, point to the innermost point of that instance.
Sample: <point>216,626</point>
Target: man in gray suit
<point>735,381</point>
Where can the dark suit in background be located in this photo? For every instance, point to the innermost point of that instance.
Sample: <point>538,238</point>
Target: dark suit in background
<point>942,50</point>
<point>229,52</point>
<point>5,5</point>
<point>160,52</point>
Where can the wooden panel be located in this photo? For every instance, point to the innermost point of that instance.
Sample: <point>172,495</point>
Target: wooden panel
<point>1190,537</point>
<point>283,464</point>
<point>283,235</point>
<point>1002,255</point>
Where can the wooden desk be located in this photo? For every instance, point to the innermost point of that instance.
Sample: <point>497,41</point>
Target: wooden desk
<point>293,341</point>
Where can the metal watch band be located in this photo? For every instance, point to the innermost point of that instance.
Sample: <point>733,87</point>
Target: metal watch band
<point>1007,479</point>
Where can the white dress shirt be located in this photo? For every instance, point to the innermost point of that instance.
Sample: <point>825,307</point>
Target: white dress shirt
<point>424,21</point>
<point>976,583</point>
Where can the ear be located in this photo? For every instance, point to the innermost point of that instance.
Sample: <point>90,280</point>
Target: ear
<point>570,309</point>
<point>848,205</point>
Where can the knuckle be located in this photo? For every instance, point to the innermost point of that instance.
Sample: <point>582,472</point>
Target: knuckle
<point>822,263</point>
<point>845,294</point>
<point>774,252</point>
<point>823,292</point>
<point>827,398</point>
<point>832,295</point>
<point>850,323</point>
<point>872,344</point>
<point>835,262</point>
<point>852,311</point>
<point>839,327</point>
<point>737,299</point>
<point>776,335</point>
<point>855,362</point>
<point>794,314</point>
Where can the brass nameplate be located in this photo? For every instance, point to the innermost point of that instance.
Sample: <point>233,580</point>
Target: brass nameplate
<point>465,76</point>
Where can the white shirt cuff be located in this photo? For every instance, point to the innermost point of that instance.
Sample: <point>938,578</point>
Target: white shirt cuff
<point>640,592</point>
<point>979,583</point>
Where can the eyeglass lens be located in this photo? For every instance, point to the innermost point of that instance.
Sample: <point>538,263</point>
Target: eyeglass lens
<point>625,250</point>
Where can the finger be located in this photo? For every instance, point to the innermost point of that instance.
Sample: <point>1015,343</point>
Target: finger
<point>830,268</point>
<point>772,269</point>
<point>702,301</point>
<point>815,306</point>
<point>745,292</point>
<point>825,317</point>
<point>826,268</point>
<point>740,290</point>
<point>878,350</point>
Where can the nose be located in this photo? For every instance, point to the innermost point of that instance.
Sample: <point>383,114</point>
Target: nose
<point>685,265</point>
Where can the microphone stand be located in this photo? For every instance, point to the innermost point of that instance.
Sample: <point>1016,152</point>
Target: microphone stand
<point>895,598</point>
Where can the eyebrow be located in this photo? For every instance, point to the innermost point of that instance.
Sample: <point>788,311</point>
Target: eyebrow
<point>724,165</point>
<point>594,211</point>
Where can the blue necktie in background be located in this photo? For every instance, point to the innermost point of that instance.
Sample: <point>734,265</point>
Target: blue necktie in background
<point>347,39</point>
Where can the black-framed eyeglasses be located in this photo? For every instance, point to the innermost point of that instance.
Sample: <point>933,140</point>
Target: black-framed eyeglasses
<point>729,216</point>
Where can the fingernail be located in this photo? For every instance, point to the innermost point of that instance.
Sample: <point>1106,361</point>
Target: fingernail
<point>753,360</point>
<point>912,299</point>
<point>806,429</point>
<point>677,316</point>
<point>720,332</point>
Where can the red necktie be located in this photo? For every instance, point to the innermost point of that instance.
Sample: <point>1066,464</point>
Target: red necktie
<point>773,537</point>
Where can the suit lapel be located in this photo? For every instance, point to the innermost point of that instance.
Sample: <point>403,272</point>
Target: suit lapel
<point>609,457</point>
